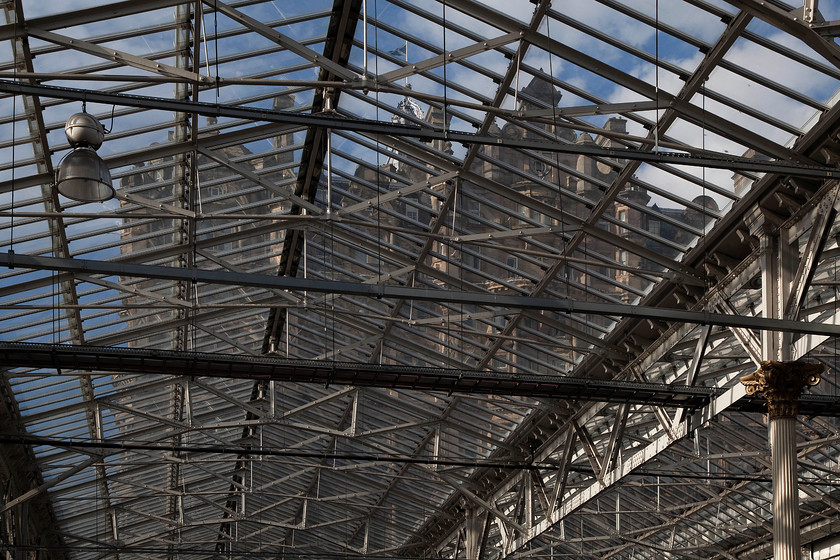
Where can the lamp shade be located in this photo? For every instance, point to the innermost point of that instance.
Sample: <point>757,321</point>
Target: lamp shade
<point>83,176</point>
<point>83,129</point>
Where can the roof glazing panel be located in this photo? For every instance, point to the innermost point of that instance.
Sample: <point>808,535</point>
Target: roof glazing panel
<point>278,163</point>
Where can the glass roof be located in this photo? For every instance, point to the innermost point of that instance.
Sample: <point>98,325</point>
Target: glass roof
<point>354,246</point>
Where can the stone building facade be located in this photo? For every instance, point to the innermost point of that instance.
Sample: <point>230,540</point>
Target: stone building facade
<point>539,193</point>
<point>537,190</point>
<point>210,189</point>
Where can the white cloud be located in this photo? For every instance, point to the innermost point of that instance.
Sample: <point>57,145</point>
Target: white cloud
<point>683,16</point>
<point>783,70</point>
<point>38,8</point>
<point>608,21</point>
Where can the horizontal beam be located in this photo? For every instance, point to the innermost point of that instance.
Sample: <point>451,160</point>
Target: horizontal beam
<point>415,68</point>
<point>169,362</point>
<point>184,451</point>
<point>588,110</point>
<point>283,40</point>
<point>163,362</point>
<point>424,133</point>
<point>79,17</point>
<point>558,305</point>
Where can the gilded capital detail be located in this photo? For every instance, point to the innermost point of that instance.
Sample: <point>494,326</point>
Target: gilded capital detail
<point>782,383</point>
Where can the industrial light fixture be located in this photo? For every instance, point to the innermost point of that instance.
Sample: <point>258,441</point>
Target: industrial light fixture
<point>82,175</point>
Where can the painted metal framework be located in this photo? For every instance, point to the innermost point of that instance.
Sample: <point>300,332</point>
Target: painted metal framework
<point>416,279</point>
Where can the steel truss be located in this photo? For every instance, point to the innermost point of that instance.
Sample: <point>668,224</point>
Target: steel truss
<point>499,313</point>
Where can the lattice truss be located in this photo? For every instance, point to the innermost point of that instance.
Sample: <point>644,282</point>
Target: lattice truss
<point>365,256</point>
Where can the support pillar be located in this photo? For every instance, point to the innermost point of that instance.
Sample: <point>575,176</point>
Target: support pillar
<point>782,383</point>
<point>476,534</point>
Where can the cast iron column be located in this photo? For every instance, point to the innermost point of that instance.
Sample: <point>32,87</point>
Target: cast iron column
<point>782,383</point>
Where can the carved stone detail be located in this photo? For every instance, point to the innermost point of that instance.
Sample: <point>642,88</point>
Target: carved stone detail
<point>782,383</point>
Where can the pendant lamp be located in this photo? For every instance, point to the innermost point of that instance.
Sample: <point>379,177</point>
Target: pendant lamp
<point>82,175</point>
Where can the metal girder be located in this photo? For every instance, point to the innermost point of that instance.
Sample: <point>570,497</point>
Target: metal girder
<point>22,480</point>
<point>122,360</point>
<point>35,492</point>
<point>746,337</point>
<point>522,232</point>
<point>175,211</point>
<point>56,226</point>
<point>337,49</point>
<point>725,402</point>
<point>723,161</point>
<point>694,368</point>
<point>489,507</point>
<point>791,24</point>
<point>212,365</point>
<point>595,426</point>
<point>649,91</point>
<point>611,477</point>
<point>251,176</point>
<point>134,290</point>
<point>380,291</point>
<point>448,57</point>
<point>325,61</point>
<point>399,193</point>
<point>621,179</point>
<point>85,16</point>
<point>686,274</point>
<point>332,64</point>
<point>587,110</point>
<point>475,539</point>
<point>117,56</point>
<point>698,356</point>
<point>823,221</point>
<point>422,254</point>
<point>588,444</point>
<point>611,453</point>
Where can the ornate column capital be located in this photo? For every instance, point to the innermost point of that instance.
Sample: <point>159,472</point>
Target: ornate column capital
<point>782,383</point>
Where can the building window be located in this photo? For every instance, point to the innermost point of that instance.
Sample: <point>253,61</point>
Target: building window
<point>472,260</point>
<point>412,213</point>
<point>513,266</point>
<point>622,217</point>
<point>538,168</point>
<point>622,257</point>
<point>473,210</point>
